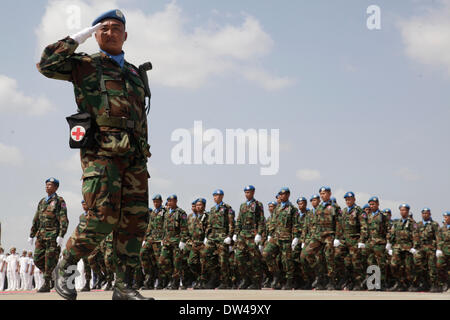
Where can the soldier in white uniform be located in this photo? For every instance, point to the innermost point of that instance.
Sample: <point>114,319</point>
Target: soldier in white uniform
<point>12,270</point>
<point>23,270</point>
<point>2,269</point>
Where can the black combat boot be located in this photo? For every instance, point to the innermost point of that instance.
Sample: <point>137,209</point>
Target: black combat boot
<point>211,285</point>
<point>174,284</point>
<point>149,283</point>
<point>331,284</point>
<point>109,286</point>
<point>435,288</point>
<point>256,284</point>
<point>45,287</point>
<point>62,275</point>
<point>287,285</point>
<point>245,283</point>
<point>99,283</point>
<point>276,281</point>
<point>86,287</point>
<point>266,284</point>
<point>122,292</point>
<point>162,283</point>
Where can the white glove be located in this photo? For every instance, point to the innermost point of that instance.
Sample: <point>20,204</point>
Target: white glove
<point>85,34</point>
<point>205,241</point>
<point>230,249</point>
<point>30,241</point>
<point>336,243</point>
<point>388,246</point>
<point>294,243</point>
<point>439,253</point>
<point>227,240</point>
<point>268,238</point>
<point>182,245</point>
<point>258,239</point>
<point>143,243</point>
<point>261,248</point>
<point>235,238</point>
<point>390,252</point>
<point>361,245</point>
<point>59,241</point>
<point>413,251</point>
<point>303,245</point>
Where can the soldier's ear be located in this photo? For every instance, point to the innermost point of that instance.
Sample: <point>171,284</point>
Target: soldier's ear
<point>126,36</point>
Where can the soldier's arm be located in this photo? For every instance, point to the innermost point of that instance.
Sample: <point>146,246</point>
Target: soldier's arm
<point>239,222</point>
<point>184,232</point>
<point>261,220</point>
<point>62,218</point>
<point>296,232</point>
<point>339,226</point>
<point>391,234</point>
<point>231,222</point>
<point>363,233</point>
<point>58,61</point>
<point>35,225</point>
<point>440,238</point>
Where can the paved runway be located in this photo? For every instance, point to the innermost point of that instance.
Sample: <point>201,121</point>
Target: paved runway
<point>240,295</point>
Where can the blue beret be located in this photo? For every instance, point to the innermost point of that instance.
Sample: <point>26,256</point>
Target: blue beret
<point>426,209</point>
<point>446,213</point>
<point>113,14</point>
<point>366,206</point>
<point>157,197</point>
<point>53,180</point>
<point>302,199</point>
<point>150,209</point>
<point>314,196</point>
<point>202,200</point>
<point>284,190</point>
<point>218,192</point>
<point>249,188</point>
<point>272,203</point>
<point>373,199</point>
<point>172,197</point>
<point>325,188</point>
<point>194,202</point>
<point>387,211</point>
<point>82,201</point>
<point>404,205</point>
<point>349,195</point>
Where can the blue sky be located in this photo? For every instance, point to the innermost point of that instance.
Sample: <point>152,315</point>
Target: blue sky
<point>363,110</point>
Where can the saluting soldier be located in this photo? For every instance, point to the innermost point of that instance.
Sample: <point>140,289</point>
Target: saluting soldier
<point>50,225</point>
<point>110,93</point>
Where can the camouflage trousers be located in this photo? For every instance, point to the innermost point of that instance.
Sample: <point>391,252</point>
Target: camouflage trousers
<point>349,259</point>
<point>116,192</point>
<point>96,261</point>
<point>87,270</point>
<point>248,259</point>
<point>402,262</point>
<point>217,253</point>
<point>376,255</point>
<point>149,259</point>
<point>425,262</point>
<point>171,261</point>
<point>315,246</point>
<point>443,267</point>
<point>284,249</point>
<point>195,260</point>
<point>46,256</point>
<point>307,271</point>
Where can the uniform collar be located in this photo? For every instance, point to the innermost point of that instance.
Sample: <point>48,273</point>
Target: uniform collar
<point>50,197</point>
<point>376,212</point>
<point>350,208</point>
<point>218,205</point>
<point>250,202</point>
<point>426,222</point>
<point>119,59</point>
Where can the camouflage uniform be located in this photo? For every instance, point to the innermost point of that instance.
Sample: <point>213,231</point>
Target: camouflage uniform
<point>285,228</point>
<point>425,244</point>
<point>49,222</point>
<point>401,237</point>
<point>250,222</point>
<point>96,262</point>
<point>175,231</point>
<point>443,262</point>
<point>377,229</point>
<point>197,227</point>
<point>352,230</point>
<point>326,222</point>
<point>115,177</point>
<point>220,225</point>
<point>109,258</point>
<point>297,252</point>
<point>308,230</point>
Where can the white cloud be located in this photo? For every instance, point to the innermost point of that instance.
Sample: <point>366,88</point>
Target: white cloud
<point>10,155</point>
<point>73,164</point>
<point>427,37</point>
<point>181,58</point>
<point>13,100</point>
<point>407,174</point>
<point>308,175</point>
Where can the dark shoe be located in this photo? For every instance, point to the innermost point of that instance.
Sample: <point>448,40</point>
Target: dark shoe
<point>331,286</point>
<point>245,283</point>
<point>266,283</point>
<point>128,294</point>
<point>161,284</point>
<point>276,282</point>
<point>287,285</point>
<point>174,285</point>
<point>86,287</point>
<point>45,287</point>
<point>255,285</point>
<point>435,288</point>
<point>223,286</point>
<point>413,288</point>
<point>395,287</point>
<point>199,285</point>
<point>211,285</point>
<point>61,278</point>
<point>109,286</point>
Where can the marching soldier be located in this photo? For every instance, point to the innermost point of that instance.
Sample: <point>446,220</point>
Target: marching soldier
<point>443,252</point>
<point>50,225</point>
<point>86,266</point>
<point>303,212</point>
<point>268,235</point>
<point>250,227</point>
<point>111,130</point>
<point>188,277</point>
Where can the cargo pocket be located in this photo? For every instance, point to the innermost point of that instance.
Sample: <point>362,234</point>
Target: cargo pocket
<point>92,183</point>
<point>115,142</point>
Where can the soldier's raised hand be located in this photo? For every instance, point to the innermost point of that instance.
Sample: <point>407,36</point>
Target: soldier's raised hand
<point>85,34</point>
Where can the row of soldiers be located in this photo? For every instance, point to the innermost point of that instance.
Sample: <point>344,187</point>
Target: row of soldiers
<point>295,248</point>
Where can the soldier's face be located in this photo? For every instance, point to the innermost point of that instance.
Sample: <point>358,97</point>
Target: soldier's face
<point>278,200</point>
<point>50,188</point>
<point>447,219</point>
<point>218,198</point>
<point>404,212</point>
<point>194,208</point>
<point>389,216</point>
<point>426,215</point>
<point>315,202</point>
<point>13,251</point>
<point>350,201</point>
<point>374,206</point>
<point>157,203</point>
<point>85,207</point>
<point>111,36</point>
<point>249,195</point>
<point>367,211</point>
<point>325,195</point>
<point>200,207</point>
<point>172,203</point>
<point>302,205</point>
<point>284,197</point>
<point>271,208</point>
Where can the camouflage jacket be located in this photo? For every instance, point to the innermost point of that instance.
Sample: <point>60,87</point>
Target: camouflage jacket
<point>326,220</point>
<point>155,231</point>
<point>377,228</point>
<point>401,235</point>
<point>220,223</point>
<point>197,227</point>
<point>124,92</point>
<point>286,222</point>
<point>109,241</point>
<point>250,221</point>
<point>308,226</point>
<point>302,220</point>
<point>426,235</point>
<point>270,226</point>
<point>50,219</point>
<point>352,225</point>
<point>175,227</point>
<point>443,240</point>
